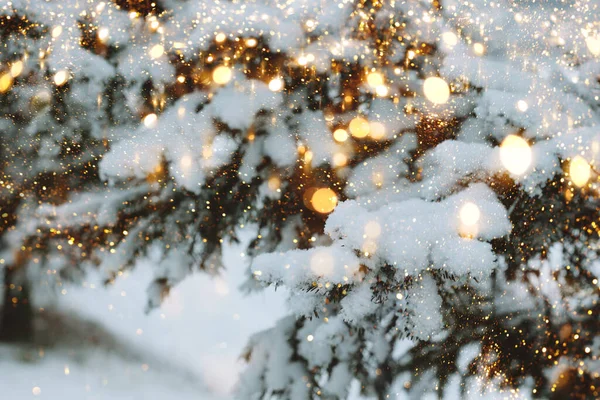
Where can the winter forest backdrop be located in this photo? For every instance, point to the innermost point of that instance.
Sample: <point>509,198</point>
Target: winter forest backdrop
<point>418,179</point>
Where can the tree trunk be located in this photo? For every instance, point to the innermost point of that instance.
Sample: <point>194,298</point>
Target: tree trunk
<point>16,317</point>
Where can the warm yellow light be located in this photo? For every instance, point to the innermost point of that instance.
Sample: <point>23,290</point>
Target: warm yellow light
<point>340,160</point>
<point>375,79</point>
<point>324,200</point>
<point>302,61</point>
<point>436,90</point>
<point>579,171</point>
<point>61,77</point>
<point>593,44</point>
<point>522,105</point>
<point>382,91</point>
<point>16,69</point>
<point>156,51</point>
<point>274,183</point>
<point>450,38</point>
<point>5,82</point>
<point>251,42</point>
<point>207,152</point>
<point>469,214</point>
<point>479,49</point>
<point>222,74</point>
<point>340,135</point>
<point>515,154</point>
<point>276,84</point>
<point>150,120</point>
<point>102,34</point>
<point>359,127</point>
<point>377,130</point>
<point>154,24</point>
<point>220,37</point>
<point>56,31</point>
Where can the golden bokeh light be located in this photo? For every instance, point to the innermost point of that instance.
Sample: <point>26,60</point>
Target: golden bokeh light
<point>274,183</point>
<point>6,81</point>
<point>522,105</point>
<point>150,120</point>
<point>469,214</point>
<point>450,38</point>
<point>103,35</point>
<point>276,84</point>
<point>479,49</point>
<point>324,200</point>
<point>157,51</point>
<point>377,130</point>
<point>61,77</point>
<point>340,135</point>
<point>340,160</point>
<point>579,171</point>
<point>16,68</point>
<point>220,37</point>
<point>436,90</point>
<point>515,154</point>
<point>375,79</point>
<point>222,75</point>
<point>359,127</point>
<point>56,31</point>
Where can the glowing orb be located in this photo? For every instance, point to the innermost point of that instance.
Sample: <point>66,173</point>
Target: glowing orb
<point>469,214</point>
<point>515,154</point>
<point>436,90</point>
<point>359,127</point>
<point>222,74</point>
<point>324,200</point>
<point>579,171</point>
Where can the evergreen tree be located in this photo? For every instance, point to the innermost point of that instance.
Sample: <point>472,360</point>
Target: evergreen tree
<point>419,174</point>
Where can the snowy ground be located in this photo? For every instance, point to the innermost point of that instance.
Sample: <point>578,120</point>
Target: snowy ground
<point>108,348</point>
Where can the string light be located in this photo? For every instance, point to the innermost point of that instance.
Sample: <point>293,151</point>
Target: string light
<point>340,135</point>
<point>359,127</point>
<point>276,84</point>
<point>61,77</point>
<point>6,81</point>
<point>450,39</point>
<point>16,68</point>
<point>157,51</point>
<point>579,171</point>
<point>220,37</point>
<point>103,35</point>
<point>340,159</point>
<point>222,75</point>
<point>324,200</point>
<point>150,120</point>
<point>522,105</point>
<point>515,154</point>
<point>375,79</point>
<point>436,90</point>
<point>377,130</point>
<point>479,49</point>
<point>469,214</point>
<point>56,31</point>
